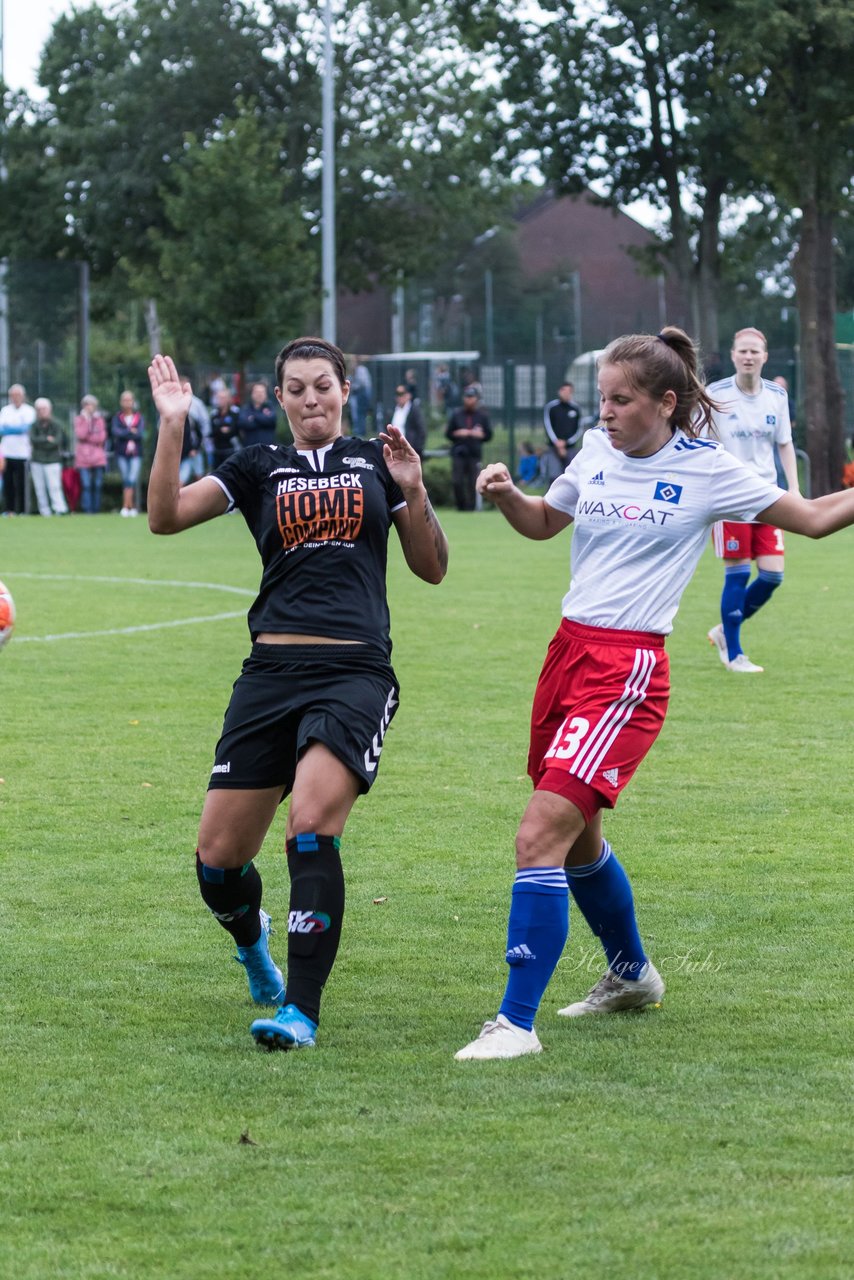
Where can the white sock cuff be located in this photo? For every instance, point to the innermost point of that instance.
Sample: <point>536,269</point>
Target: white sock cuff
<point>592,867</point>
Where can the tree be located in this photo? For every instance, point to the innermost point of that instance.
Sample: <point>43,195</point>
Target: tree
<point>416,142</point>
<point>236,239</point>
<point>134,91</point>
<point>792,62</point>
<point>125,89</point>
<point>621,99</point>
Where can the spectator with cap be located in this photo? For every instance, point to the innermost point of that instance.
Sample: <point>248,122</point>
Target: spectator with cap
<point>468,430</point>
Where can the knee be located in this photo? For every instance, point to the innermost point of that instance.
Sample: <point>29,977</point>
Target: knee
<point>549,828</point>
<point>222,851</point>
<point>529,845</point>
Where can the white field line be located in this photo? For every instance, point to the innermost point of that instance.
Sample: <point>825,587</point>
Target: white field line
<point>141,582</point>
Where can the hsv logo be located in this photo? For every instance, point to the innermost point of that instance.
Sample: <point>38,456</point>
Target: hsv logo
<point>771,419</point>
<point>308,922</point>
<point>320,508</point>
<point>667,492</point>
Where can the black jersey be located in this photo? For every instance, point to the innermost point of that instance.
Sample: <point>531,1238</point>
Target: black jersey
<point>321,521</point>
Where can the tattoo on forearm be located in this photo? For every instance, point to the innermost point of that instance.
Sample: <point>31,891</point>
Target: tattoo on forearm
<point>440,542</point>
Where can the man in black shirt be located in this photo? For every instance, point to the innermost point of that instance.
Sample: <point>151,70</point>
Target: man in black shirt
<point>225,426</point>
<point>562,421</point>
<point>258,417</point>
<point>468,430</point>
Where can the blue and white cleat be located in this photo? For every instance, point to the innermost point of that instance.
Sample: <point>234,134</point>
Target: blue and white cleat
<point>266,984</point>
<point>288,1029</point>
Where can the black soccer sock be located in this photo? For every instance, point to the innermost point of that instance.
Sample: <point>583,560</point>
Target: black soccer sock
<point>314,923</point>
<point>234,897</point>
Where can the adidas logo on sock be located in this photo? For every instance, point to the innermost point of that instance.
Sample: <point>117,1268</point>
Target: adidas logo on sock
<point>518,955</point>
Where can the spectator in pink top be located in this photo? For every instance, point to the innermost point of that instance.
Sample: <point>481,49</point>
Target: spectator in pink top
<point>90,458</point>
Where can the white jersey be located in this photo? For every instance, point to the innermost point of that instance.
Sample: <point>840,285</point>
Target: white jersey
<point>750,426</point>
<point>641,525</point>
<point>15,430</point>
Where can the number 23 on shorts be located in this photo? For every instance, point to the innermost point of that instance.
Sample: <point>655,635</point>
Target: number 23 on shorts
<point>568,738</point>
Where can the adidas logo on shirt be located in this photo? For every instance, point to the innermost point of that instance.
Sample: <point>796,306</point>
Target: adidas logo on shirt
<point>599,478</point>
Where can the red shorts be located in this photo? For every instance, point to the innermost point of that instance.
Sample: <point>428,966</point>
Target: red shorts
<point>733,541</point>
<point>600,703</point>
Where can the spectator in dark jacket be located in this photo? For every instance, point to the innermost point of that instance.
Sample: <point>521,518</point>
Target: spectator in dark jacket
<point>468,430</point>
<point>225,426</point>
<point>562,421</point>
<point>127,430</point>
<point>258,417</point>
<point>48,441</point>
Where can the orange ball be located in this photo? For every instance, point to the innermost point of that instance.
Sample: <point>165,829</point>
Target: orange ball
<point>7,614</point>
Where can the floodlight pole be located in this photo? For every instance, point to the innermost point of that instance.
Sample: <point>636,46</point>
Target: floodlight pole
<point>328,190</point>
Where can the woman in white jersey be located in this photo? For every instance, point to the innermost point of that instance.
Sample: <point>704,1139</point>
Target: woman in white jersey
<point>750,416</point>
<point>642,492</point>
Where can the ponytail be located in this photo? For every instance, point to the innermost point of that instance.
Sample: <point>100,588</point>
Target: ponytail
<point>662,362</point>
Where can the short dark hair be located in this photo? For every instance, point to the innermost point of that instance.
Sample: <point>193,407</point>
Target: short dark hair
<point>311,349</point>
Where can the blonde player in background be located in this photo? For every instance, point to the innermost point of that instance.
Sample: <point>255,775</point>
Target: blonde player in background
<point>751,417</point>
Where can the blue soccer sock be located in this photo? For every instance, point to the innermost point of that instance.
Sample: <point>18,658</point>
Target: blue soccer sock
<point>732,607</point>
<point>760,591</point>
<point>536,936</point>
<point>604,897</point>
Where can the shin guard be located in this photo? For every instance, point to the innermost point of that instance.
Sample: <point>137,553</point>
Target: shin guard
<point>233,896</point>
<point>314,921</point>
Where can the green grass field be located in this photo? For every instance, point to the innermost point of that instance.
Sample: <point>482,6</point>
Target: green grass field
<point>142,1133</point>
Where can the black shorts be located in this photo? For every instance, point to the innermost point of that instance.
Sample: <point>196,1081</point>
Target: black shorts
<point>288,696</point>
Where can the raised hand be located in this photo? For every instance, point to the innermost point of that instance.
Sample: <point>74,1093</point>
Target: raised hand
<point>172,395</point>
<point>401,459</point>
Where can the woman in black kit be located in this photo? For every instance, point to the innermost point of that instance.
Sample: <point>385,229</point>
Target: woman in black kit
<point>311,706</point>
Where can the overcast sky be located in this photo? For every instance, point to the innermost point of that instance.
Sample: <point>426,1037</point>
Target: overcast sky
<point>27,26</point>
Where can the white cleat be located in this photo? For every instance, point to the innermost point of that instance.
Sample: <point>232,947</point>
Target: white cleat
<point>742,663</point>
<point>718,639</point>
<point>501,1039</point>
<point>613,993</point>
